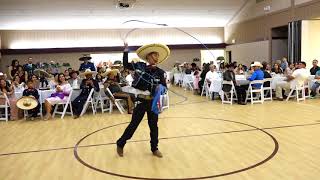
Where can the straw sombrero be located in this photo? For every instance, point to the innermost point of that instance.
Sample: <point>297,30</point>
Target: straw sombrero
<point>112,73</point>
<point>163,50</point>
<point>39,72</point>
<point>87,72</point>
<point>27,103</point>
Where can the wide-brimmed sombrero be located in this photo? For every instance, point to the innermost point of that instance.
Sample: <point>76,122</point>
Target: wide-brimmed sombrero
<point>111,73</point>
<point>163,50</point>
<point>88,72</point>
<point>41,72</point>
<point>27,103</point>
<point>85,57</point>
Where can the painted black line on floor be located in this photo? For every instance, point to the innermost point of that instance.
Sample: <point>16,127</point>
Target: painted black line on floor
<point>133,141</point>
<point>254,165</point>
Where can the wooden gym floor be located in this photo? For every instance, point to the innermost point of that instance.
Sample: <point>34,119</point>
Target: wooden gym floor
<point>199,139</point>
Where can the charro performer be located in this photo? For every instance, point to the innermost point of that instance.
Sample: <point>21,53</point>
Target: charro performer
<point>147,78</point>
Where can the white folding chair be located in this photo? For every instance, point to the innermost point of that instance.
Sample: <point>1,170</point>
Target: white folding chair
<point>296,89</point>
<point>64,106</point>
<point>116,101</point>
<point>205,89</point>
<point>164,100</point>
<point>103,100</point>
<point>259,92</point>
<point>231,95</point>
<point>86,104</point>
<point>5,106</point>
<point>188,82</point>
<point>267,90</point>
<point>307,88</point>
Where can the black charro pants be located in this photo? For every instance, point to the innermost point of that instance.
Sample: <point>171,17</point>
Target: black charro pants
<point>137,116</point>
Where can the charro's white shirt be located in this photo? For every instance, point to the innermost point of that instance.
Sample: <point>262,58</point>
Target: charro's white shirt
<point>212,75</point>
<point>300,75</point>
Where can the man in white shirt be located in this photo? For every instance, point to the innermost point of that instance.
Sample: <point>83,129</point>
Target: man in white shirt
<point>300,76</point>
<point>212,75</point>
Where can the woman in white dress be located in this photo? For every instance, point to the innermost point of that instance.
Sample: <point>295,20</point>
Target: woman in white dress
<point>60,96</point>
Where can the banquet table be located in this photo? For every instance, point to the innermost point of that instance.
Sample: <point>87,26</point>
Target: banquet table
<point>44,94</point>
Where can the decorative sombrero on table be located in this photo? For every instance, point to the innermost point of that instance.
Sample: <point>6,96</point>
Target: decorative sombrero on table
<point>41,72</point>
<point>85,57</point>
<point>163,50</point>
<point>27,103</point>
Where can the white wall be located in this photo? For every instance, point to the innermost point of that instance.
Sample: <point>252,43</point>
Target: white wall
<point>107,38</point>
<point>310,41</point>
<point>248,52</point>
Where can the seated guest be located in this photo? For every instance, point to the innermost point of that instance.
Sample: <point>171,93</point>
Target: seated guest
<point>116,90</point>
<point>188,69</point>
<point>229,75</point>
<point>22,74</point>
<point>17,84</point>
<point>74,80</point>
<point>86,64</point>
<point>239,70</point>
<point>43,82</point>
<point>266,74</point>
<point>299,75</point>
<point>315,68</point>
<point>284,63</point>
<point>316,85</point>
<point>290,69</point>
<point>277,69</point>
<point>36,81</point>
<point>13,69</point>
<point>205,70</point>
<point>31,91</point>
<point>66,74</point>
<point>59,96</point>
<point>8,90</point>
<point>212,75</point>
<point>257,74</point>
<point>3,76</point>
<point>86,85</point>
<point>53,81</point>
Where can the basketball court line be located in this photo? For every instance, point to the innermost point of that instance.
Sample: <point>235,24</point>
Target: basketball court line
<point>177,137</point>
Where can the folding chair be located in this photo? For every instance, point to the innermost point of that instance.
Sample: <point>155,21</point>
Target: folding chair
<point>89,100</point>
<point>259,92</point>
<point>188,82</point>
<point>295,91</point>
<point>232,93</point>
<point>64,106</point>
<point>5,106</point>
<point>102,99</point>
<point>116,101</point>
<point>205,89</point>
<point>268,89</point>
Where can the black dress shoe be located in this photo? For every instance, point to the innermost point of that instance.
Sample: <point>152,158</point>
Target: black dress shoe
<point>157,153</point>
<point>120,151</point>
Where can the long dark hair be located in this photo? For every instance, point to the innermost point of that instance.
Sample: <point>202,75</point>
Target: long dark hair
<point>14,62</point>
<point>59,77</point>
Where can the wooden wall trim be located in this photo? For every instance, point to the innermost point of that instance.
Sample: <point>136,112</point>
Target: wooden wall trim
<point>103,49</point>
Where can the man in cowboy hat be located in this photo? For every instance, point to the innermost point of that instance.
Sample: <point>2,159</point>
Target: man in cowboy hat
<point>86,85</point>
<point>74,80</point>
<point>257,74</point>
<point>147,77</point>
<point>86,64</point>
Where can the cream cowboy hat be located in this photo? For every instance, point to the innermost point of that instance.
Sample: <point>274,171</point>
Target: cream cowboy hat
<point>163,50</point>
<point>27,103</point>
<point>88,71</point>
<point>256,63</point>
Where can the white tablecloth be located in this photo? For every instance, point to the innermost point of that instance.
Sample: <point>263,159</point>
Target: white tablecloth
<point>44,94</point>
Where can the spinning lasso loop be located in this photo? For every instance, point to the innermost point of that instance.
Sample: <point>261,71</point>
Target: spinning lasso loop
<point>157,24</point>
